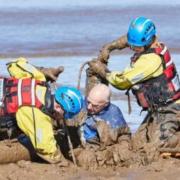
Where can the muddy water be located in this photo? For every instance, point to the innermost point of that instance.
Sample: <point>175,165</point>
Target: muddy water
<point>65,31</point>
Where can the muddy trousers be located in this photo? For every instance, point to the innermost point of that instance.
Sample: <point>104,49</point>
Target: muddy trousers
<point>169,126</point>
<point>38,127</point>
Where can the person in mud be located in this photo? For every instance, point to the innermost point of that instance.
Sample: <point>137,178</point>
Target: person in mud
<point>104,133</point>
<point>28,98</point>
<point>152,77</point>
<point>104,122</point>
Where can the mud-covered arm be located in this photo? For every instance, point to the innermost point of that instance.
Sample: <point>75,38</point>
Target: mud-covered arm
<point>119,44</point>
<point>51,74</point>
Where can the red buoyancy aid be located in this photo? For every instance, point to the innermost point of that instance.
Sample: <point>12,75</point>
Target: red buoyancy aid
<point>17,93</point>
<point>161,90</point>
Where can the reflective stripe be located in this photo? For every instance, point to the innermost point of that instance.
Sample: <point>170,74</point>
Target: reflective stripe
<point>33,92</point>
<point>1,91</point>
<point>164,50</point>
<point>176,83</point>
<point>19,92</point>
<point>169,63</point>
<point>162,53</point>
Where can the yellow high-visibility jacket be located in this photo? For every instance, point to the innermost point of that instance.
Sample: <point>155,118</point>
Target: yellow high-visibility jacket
<point>146,67</point>
<point>31,120</point>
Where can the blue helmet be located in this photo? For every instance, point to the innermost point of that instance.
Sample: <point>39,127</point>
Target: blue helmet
<point>70,100</point>
<point>141,32</point>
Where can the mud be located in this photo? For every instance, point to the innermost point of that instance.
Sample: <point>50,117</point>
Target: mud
<point>12,151</point>
<point>28,170</point>
<point>116,161</point>
<point>137,159</point>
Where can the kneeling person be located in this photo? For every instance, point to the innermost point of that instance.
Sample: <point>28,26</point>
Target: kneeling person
<point>29,98</point>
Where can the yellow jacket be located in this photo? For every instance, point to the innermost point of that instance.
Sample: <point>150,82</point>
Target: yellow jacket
<point>146,67</point>
<point>31,120</point>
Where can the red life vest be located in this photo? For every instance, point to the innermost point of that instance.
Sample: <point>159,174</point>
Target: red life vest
<point>17,93</point>
<point>161,90</point>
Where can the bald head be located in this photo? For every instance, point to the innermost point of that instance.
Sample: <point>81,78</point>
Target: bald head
<point>100,94</point>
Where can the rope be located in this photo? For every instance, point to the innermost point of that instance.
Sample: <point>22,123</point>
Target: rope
<point>69,142</point>
<point>129,102</point>
<point>80,74</point>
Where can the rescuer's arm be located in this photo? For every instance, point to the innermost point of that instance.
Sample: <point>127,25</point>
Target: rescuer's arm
<point>119,44</point>
<point>147,66</point>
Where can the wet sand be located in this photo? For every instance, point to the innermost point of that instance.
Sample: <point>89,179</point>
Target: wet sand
<point>162,170</point>
<point>79,31</point>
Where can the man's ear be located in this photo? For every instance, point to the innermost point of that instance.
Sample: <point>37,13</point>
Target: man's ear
<point>57,107</point>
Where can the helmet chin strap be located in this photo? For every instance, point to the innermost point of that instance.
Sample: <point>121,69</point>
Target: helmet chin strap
<point>149,45</point>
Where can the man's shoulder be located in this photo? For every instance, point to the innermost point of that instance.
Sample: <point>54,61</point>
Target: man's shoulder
<point>113,107</point>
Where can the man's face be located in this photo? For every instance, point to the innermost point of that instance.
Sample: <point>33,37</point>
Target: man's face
<point>94,106</point>
<point>137,49</point>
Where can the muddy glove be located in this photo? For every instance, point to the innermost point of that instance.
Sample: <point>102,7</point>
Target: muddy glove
<point>99,68</point>
<point>51,74</point>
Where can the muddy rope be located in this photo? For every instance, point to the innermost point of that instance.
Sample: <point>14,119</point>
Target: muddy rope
<point>80,74</point>
<point>100,80</point>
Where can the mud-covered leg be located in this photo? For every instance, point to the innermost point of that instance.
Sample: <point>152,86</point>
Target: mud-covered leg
<point>168,128</point>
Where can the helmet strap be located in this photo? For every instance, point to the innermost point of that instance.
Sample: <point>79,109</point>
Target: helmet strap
<point>149,45</point>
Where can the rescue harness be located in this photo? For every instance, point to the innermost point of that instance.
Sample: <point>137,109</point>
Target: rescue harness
<point>161,90</point>
<point>15,93</point>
